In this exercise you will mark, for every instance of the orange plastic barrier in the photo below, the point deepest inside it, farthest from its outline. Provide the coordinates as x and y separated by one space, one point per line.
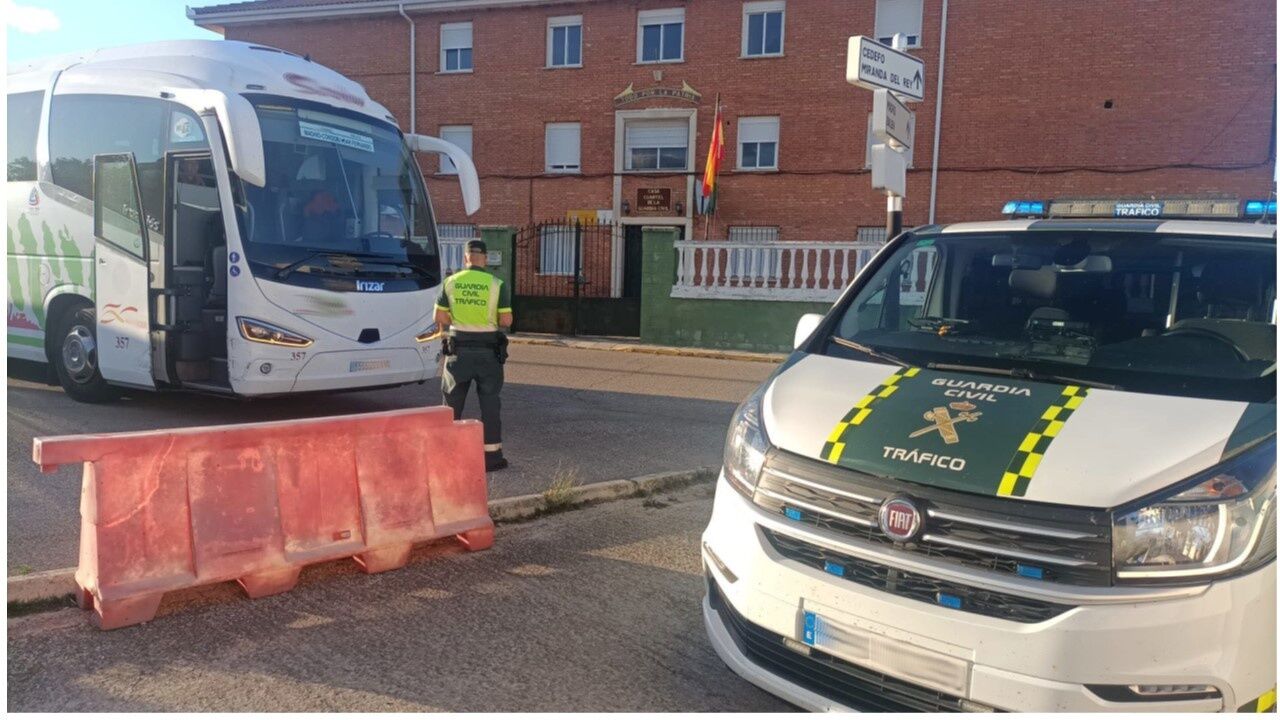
171 509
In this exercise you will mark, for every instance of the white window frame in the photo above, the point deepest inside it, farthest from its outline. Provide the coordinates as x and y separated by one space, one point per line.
444 49
446 165
560 240
758 121
659 17
885 32
762 7
626 149
565 21
562 167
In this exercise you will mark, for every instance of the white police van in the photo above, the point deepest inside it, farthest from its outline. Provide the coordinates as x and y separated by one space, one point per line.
1020 465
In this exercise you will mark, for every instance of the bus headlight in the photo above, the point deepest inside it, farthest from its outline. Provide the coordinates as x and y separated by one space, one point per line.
431 333
747 444
258 331
1219 522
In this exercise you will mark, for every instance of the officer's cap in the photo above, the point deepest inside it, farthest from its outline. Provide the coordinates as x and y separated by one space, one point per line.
476 246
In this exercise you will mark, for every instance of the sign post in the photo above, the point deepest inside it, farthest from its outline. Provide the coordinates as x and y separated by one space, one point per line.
896 78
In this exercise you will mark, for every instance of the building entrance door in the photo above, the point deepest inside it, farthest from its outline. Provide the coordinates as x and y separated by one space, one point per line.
577 279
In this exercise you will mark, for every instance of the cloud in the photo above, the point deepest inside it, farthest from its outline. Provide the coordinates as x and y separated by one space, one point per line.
30 19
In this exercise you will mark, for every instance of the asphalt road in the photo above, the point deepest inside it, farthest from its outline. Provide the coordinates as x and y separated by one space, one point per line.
587 414
596 609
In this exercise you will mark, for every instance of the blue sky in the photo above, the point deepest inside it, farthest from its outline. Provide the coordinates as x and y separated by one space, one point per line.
36 28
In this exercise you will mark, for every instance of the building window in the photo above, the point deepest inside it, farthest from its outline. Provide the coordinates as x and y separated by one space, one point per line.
459 135
899 16
556 247
660 36
874 234
564 147
657 145
758 143
24 126
750 263
453 241
455 47
564 41
762 28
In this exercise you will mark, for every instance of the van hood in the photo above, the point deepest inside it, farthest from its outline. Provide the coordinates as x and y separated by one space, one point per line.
1001 436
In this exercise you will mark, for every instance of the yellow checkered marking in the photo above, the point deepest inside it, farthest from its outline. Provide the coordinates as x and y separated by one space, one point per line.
1265 703
1026 459
861 410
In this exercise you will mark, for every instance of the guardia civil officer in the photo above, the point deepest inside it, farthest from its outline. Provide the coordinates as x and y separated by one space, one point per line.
475 309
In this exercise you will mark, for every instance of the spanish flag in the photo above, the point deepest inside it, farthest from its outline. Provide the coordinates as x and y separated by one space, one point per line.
714 155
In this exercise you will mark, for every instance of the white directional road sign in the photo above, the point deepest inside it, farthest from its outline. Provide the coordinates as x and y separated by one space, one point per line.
891 120
872 65
888 170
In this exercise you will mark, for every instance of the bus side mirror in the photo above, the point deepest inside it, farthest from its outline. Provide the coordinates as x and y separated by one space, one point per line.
467 176
808 323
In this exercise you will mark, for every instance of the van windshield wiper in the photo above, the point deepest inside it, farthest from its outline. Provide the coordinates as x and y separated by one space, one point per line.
1025 374
868 350
940 325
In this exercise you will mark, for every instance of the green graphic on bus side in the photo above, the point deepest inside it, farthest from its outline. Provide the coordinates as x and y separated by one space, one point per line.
58 252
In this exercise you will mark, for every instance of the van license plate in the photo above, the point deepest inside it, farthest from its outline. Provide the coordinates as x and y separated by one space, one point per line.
894 657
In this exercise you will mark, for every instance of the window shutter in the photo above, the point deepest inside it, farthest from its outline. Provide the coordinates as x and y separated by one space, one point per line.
456 35
564 146
657 133
758 130
898 16
459 135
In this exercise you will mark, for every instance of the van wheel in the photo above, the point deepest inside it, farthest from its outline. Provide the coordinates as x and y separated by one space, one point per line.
75 356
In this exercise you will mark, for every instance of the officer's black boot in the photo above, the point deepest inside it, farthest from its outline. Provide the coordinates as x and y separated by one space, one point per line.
493 460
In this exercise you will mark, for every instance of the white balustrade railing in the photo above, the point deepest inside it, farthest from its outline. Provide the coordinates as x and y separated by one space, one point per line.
772 270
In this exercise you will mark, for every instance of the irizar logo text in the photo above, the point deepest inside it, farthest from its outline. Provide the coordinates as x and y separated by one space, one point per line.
369 286
970 390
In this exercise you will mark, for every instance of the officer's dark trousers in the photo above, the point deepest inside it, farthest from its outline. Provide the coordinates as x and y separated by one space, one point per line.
481 365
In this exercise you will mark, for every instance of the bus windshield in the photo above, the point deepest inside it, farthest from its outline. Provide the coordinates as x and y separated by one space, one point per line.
1144 312
343 199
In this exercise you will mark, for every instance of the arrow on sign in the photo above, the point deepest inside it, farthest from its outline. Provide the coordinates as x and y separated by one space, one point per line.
918 80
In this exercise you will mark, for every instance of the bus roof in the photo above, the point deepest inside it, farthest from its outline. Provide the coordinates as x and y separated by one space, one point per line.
225 65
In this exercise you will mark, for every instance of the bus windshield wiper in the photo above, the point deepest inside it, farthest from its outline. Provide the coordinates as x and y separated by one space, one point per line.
1024 374
868 350
284 272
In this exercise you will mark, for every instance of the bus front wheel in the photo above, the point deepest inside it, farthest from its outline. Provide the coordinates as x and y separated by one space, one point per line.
75 356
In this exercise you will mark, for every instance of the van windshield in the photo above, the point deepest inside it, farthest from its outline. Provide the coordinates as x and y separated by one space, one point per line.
343 199
1146 312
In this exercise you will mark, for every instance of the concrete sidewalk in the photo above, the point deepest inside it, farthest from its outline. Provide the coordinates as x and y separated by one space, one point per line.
570 414
623 344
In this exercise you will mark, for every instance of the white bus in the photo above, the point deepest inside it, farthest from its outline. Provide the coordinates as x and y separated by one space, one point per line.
220 217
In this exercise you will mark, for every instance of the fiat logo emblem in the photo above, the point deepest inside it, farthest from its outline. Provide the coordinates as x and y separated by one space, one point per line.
900 519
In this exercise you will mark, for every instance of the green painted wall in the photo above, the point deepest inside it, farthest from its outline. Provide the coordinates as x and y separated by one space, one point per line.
501 238
757 325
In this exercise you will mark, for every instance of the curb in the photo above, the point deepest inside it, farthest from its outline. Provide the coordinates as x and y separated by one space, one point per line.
743 355
51 585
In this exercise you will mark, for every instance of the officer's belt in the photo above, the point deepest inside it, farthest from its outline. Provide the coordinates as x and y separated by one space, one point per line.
476 339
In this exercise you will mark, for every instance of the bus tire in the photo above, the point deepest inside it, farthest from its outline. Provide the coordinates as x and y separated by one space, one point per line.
74 356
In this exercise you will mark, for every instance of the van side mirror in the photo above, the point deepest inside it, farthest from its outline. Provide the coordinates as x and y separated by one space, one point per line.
805 327
467 176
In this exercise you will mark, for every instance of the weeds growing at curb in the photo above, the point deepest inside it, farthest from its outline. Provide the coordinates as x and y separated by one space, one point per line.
22 570
561 493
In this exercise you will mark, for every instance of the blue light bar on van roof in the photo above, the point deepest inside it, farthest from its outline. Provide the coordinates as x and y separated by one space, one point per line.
1224 208
1259 208
1032 208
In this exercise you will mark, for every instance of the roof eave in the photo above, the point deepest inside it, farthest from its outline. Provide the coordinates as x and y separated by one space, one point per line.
305 12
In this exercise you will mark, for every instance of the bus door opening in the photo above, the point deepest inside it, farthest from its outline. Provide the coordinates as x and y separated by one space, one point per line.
197 278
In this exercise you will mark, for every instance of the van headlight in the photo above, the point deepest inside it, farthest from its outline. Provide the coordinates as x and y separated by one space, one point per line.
747 444
262 332
1221 521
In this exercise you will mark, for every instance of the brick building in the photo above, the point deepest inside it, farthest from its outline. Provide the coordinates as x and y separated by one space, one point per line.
606 105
